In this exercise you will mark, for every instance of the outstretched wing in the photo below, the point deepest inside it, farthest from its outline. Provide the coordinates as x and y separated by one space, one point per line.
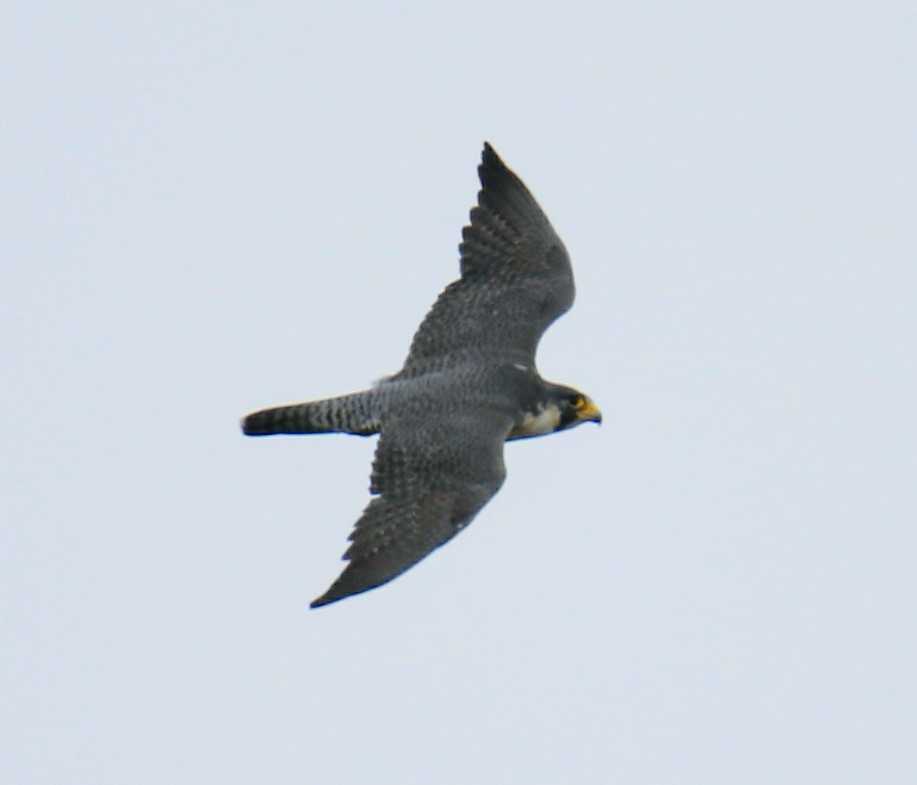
516 280
434 475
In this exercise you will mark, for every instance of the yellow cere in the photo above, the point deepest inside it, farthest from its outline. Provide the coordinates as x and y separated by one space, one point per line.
586 409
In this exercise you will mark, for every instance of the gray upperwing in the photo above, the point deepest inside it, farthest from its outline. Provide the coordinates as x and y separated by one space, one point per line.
433 476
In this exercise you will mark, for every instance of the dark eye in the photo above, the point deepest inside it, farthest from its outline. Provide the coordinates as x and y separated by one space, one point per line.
578 401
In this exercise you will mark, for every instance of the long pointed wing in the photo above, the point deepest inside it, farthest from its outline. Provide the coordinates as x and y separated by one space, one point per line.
516 280
434 475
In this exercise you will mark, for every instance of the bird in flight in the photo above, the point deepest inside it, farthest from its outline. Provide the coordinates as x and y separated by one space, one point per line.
469 384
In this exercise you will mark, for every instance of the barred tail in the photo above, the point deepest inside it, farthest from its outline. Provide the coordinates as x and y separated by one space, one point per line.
347 414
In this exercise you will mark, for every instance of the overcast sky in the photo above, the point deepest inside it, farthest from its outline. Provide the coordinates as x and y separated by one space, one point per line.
209 208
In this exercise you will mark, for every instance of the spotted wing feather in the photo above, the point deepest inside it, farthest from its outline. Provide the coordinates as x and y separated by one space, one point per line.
516 280
431 478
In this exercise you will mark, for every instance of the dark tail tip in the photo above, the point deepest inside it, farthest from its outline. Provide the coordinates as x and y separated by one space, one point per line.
258 424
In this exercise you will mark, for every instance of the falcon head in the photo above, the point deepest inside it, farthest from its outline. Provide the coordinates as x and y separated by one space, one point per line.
575 408
560 408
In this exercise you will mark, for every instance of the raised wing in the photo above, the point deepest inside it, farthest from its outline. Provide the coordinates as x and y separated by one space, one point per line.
434 475
516 280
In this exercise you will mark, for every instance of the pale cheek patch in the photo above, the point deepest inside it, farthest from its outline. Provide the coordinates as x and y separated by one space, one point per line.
545 421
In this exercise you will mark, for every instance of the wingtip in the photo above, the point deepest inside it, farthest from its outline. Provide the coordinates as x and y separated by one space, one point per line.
334 594
489 156
350 582
330 597
492 171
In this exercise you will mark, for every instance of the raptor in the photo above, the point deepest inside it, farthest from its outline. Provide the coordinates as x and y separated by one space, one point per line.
469 385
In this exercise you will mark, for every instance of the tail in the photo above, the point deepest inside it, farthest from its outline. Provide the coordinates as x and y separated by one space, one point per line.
356 414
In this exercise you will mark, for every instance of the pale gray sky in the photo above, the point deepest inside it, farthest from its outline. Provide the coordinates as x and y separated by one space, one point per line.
213 207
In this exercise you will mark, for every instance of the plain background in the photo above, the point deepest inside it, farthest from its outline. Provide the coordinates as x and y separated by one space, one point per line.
212 207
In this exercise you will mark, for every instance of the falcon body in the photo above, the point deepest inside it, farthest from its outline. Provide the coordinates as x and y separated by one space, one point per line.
469 384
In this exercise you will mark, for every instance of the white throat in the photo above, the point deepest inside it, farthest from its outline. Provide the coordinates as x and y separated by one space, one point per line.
544 421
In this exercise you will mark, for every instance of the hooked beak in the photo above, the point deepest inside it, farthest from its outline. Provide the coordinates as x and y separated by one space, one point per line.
589 412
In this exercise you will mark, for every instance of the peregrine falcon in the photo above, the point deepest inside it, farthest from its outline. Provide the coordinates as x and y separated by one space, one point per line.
469 384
